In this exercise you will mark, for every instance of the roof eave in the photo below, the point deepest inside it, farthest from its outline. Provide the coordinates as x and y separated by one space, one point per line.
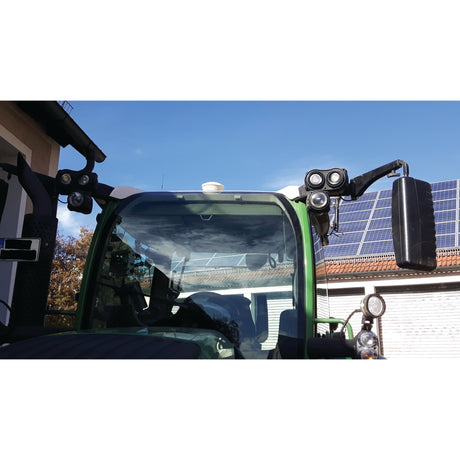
61 127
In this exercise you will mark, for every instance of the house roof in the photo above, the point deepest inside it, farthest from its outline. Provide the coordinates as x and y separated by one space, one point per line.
447 260
61 127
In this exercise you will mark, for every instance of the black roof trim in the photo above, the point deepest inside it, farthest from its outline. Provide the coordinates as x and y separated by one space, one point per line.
60 126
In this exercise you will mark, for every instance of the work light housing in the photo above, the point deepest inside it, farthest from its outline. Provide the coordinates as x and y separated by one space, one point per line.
373 306
334 181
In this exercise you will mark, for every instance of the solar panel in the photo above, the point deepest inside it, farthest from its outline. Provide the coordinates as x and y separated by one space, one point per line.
445 205
379 247
369 220
445 241
382 212
445 227
444 216
384 203
385 194
357 226
349 237
376 224
352 206
444 185
444 195
354 216
341 250
379 235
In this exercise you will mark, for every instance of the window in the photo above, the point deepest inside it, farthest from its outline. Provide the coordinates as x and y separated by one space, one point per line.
187 261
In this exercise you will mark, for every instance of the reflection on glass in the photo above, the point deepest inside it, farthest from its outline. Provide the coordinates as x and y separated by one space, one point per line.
227 266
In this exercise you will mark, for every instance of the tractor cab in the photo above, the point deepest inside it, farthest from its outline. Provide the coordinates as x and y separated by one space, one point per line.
225 269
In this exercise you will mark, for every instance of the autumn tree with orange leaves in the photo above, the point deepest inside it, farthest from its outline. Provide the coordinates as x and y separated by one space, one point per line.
67 269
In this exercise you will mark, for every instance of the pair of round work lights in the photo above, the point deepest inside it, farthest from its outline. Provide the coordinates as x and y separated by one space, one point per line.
322 184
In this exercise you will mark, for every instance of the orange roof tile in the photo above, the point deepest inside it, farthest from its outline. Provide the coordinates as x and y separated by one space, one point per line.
379 264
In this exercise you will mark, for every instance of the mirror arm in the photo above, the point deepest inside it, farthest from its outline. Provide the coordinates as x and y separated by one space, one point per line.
360 184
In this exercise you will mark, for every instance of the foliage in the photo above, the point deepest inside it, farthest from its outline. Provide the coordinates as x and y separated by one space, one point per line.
67 269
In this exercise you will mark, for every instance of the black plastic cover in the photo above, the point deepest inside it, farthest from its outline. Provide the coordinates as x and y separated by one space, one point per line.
414 234
330 348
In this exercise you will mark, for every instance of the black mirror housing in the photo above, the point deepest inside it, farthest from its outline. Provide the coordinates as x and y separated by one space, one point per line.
414 234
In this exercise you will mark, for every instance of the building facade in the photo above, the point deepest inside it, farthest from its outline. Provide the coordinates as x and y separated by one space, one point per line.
422 317
37 130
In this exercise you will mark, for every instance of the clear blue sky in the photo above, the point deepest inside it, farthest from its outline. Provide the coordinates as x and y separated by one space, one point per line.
261 145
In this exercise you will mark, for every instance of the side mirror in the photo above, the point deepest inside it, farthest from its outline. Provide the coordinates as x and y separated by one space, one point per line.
414 234
3 195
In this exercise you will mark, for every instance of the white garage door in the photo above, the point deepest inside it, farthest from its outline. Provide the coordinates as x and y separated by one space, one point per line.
422 324
341 306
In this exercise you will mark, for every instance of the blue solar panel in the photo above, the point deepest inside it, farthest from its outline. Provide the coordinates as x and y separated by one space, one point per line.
444 216
378 235
376 224
443 185
382 212
383 203
357 226
341 250
371 214
445 205
445 241
345 238
385 194
443 228
371 196
352 206
353 216
380 247
444 195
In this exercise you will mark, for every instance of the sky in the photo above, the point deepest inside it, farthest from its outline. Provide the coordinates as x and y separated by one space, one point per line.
259 145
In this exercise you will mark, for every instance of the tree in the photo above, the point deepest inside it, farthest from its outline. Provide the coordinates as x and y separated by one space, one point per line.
67 269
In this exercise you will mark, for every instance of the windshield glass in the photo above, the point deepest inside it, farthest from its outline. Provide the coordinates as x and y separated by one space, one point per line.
224 262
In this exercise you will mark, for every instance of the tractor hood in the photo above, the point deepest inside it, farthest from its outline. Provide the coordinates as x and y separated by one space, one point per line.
123 343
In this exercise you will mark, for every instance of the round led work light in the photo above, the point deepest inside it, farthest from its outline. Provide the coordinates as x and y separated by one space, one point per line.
319 201
76 199
368 339
373 306
84 179
335 179
80 202
65 179
314 179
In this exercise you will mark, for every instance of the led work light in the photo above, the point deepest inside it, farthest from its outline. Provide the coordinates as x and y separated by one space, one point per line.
334 181
373 306
318 201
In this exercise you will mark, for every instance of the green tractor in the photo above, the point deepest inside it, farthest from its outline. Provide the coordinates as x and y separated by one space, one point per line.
203 274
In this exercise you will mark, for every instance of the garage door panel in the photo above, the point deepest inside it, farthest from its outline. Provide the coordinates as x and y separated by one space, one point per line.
421 324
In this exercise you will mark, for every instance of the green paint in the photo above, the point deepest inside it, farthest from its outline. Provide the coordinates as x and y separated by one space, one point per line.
336 321
83 299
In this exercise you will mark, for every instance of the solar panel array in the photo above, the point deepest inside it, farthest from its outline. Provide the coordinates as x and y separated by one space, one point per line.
365 224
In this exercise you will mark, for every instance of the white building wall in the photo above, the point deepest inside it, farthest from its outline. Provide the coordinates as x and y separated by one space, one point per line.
13 214
418 322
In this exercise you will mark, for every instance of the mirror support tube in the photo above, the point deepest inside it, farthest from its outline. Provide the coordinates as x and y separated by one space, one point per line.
360 184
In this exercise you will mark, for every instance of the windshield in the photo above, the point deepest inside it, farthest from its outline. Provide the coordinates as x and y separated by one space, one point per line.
225 262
